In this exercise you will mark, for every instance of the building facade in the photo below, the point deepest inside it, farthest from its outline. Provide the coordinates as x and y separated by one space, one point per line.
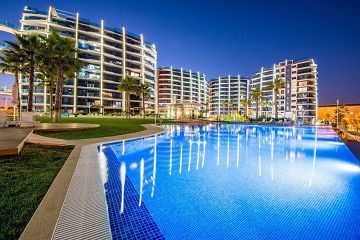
107 55
230 90
298 99
179 88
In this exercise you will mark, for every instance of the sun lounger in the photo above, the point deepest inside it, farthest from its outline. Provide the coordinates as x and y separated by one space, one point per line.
27 119
3 118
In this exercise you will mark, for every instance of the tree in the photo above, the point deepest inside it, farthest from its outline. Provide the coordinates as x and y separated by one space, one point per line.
127 86
28 46
144 91
245 103
276 86
256 96
340 113
356 123
11 62
47 74
60 52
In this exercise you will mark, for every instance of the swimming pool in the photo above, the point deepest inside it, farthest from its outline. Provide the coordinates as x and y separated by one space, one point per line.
232 182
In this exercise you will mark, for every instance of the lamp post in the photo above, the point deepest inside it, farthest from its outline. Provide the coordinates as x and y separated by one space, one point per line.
337 113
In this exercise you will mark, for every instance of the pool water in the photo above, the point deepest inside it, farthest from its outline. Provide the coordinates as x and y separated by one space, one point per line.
232 182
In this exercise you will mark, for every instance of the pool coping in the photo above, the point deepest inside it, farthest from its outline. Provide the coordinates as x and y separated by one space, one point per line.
44 219
84 214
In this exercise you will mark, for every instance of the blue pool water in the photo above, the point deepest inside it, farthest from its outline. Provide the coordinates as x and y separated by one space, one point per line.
232 182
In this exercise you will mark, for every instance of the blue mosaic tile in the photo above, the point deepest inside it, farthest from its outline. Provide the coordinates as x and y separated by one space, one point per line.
135 222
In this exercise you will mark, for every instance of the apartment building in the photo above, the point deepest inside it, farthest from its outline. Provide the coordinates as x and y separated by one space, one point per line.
107 54
230 90
298 99
181 92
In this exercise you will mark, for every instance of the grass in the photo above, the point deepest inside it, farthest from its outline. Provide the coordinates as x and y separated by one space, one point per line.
108 127
24 180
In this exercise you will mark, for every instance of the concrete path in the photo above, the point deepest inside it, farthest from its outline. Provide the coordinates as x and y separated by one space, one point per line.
42 223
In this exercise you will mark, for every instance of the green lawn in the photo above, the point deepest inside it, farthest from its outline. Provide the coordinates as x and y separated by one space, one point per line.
24 180
108 127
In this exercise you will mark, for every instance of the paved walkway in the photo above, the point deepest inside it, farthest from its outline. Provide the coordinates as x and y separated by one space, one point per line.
42 223
12 140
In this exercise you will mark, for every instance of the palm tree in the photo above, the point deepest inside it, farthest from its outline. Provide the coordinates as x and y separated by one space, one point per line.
276 86
144 91
28 46
230 105
47 74
60 53
224 103
11 62
245 103
256 96
127 86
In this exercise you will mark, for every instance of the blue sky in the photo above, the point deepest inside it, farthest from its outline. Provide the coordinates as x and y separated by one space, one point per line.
235 37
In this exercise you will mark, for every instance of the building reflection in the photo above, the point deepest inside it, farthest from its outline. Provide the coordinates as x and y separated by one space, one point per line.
259 148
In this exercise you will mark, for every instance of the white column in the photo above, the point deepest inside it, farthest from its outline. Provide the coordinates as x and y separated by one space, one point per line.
76 47
102 67
219 104
190 80
171 85
123 65
182 85
199 89
142 58
239 93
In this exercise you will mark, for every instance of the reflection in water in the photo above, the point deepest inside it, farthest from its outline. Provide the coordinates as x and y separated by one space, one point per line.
314 158
153 178
122 181
218 146
291 151
204 153
190 148
272 154
141 180
238 151
198 154
181 158
259 153
228 153
171 150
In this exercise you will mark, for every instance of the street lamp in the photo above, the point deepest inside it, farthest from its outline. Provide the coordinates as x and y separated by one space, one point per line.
337 113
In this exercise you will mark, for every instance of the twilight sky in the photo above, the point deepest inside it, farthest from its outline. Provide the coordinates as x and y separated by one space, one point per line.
234 37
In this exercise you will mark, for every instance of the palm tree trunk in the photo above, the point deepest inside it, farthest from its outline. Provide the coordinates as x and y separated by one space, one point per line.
31 88
18 95
128 105
257 109
143 105
58 96
51 100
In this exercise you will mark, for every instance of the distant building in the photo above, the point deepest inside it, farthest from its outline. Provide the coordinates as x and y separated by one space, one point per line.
181 93
229 89
6 99
298 100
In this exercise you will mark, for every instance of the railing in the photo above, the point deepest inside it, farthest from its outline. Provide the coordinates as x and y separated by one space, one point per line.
10 25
